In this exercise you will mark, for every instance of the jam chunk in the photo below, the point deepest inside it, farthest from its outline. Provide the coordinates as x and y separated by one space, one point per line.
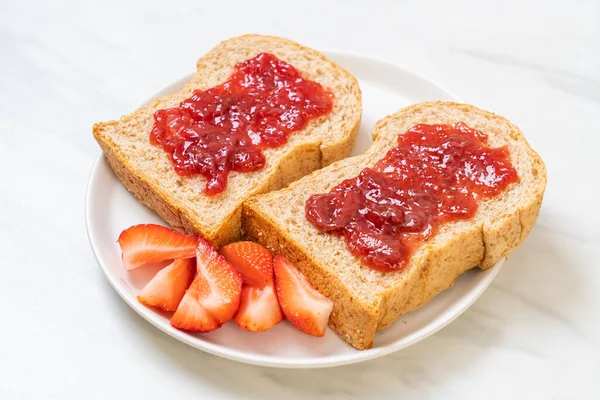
224 128
436 174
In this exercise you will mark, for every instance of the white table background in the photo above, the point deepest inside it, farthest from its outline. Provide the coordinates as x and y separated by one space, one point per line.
65 334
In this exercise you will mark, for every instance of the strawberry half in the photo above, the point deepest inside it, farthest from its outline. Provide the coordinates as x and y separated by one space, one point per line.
259 309
306 308
151 244
214 296
168 286
252 260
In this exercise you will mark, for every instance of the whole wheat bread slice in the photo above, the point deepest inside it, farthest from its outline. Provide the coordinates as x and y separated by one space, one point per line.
366 300
148 173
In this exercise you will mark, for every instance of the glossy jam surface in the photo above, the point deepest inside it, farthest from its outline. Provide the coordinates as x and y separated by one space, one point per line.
224 128
436 174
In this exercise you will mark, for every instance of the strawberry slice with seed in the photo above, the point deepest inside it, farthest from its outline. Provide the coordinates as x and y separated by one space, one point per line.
150 244
168 286
259 309
214 295
252 260
191 316
306 308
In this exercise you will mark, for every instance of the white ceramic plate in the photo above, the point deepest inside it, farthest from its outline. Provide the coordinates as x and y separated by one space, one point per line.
110 209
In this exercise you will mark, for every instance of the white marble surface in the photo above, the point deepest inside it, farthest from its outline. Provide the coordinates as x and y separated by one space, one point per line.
65 334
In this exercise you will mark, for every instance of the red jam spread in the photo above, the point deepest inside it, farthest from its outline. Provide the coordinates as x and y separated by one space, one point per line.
436 174
225 128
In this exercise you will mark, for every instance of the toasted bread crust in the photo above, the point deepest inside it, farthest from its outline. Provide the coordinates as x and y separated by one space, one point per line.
285 165
480 244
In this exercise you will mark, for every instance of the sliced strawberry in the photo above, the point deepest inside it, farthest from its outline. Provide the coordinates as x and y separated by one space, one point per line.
190 315
259 309
253 261
151 244
214 296
168 286
306 308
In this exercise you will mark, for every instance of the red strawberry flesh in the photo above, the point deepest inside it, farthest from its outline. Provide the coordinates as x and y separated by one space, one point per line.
214 296
252 261
259 309
150 244
167 288
306 308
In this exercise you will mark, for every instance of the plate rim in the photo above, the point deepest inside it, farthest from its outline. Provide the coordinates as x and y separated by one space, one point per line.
155 319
